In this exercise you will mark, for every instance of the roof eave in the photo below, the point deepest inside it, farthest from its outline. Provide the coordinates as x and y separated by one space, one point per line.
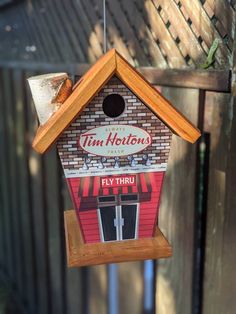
156 102
90 85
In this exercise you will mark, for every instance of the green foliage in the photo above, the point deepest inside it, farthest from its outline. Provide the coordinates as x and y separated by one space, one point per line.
211 55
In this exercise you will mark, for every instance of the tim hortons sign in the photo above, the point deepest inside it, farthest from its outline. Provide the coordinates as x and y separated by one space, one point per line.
114 140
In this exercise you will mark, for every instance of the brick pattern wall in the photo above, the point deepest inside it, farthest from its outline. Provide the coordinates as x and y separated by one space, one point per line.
136 114
148 212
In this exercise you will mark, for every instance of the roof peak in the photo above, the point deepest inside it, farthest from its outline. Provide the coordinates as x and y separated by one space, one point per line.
112 63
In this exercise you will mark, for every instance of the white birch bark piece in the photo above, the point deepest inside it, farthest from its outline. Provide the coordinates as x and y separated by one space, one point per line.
44 89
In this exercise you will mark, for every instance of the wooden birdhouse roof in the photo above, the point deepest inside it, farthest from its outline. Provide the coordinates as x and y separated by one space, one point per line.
112 63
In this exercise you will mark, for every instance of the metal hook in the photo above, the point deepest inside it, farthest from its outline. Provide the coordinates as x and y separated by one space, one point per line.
104 27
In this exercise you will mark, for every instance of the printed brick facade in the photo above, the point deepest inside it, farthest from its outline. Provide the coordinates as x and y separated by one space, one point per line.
136 114
84 172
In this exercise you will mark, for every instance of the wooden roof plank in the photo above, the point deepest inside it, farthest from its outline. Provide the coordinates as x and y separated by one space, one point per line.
160 106
90 84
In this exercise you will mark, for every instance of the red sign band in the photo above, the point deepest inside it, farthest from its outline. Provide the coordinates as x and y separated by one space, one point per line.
117 181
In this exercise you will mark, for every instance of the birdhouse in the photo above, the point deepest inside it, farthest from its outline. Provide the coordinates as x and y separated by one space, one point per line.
113 136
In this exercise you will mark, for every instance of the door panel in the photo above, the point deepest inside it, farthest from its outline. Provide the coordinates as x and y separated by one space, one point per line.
108 214
129 214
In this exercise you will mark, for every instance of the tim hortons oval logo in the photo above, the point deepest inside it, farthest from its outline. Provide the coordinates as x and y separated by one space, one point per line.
114 140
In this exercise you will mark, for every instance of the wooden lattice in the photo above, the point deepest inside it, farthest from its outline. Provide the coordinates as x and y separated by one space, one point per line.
162 33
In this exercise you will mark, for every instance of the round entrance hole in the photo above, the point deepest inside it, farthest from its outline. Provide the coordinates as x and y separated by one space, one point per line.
113 105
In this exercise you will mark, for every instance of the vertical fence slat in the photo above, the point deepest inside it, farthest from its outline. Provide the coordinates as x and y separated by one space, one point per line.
97 281
229 252
131 287
74 289
17 103
4 197
40 223
219 275
14 192
54 232
9 174
24 189
174 275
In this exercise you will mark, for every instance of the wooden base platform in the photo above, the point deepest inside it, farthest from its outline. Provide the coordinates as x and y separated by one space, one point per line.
81 254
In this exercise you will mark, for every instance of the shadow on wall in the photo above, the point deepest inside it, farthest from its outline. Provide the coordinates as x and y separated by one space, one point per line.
144 32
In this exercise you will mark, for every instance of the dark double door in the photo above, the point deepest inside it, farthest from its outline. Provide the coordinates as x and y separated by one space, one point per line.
119 219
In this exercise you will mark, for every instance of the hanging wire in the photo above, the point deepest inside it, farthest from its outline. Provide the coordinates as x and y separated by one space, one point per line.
104 27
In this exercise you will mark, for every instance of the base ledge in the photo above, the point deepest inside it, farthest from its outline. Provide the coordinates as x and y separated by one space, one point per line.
82 254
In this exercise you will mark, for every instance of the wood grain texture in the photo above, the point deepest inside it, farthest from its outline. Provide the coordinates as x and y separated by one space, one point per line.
202 26
184 33
220 276
225 15
163 35
133 44
128 21
80 254
210 80
176 218
143 33
112 31
155 101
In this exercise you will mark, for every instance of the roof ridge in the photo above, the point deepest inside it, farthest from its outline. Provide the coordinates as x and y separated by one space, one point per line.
112 63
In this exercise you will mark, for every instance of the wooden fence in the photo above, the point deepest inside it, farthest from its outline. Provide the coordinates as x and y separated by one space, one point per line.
197 209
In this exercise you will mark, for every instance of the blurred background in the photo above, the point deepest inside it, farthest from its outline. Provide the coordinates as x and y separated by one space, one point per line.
186 49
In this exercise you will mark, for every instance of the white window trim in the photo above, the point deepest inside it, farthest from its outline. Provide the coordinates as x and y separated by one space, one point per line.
118 212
